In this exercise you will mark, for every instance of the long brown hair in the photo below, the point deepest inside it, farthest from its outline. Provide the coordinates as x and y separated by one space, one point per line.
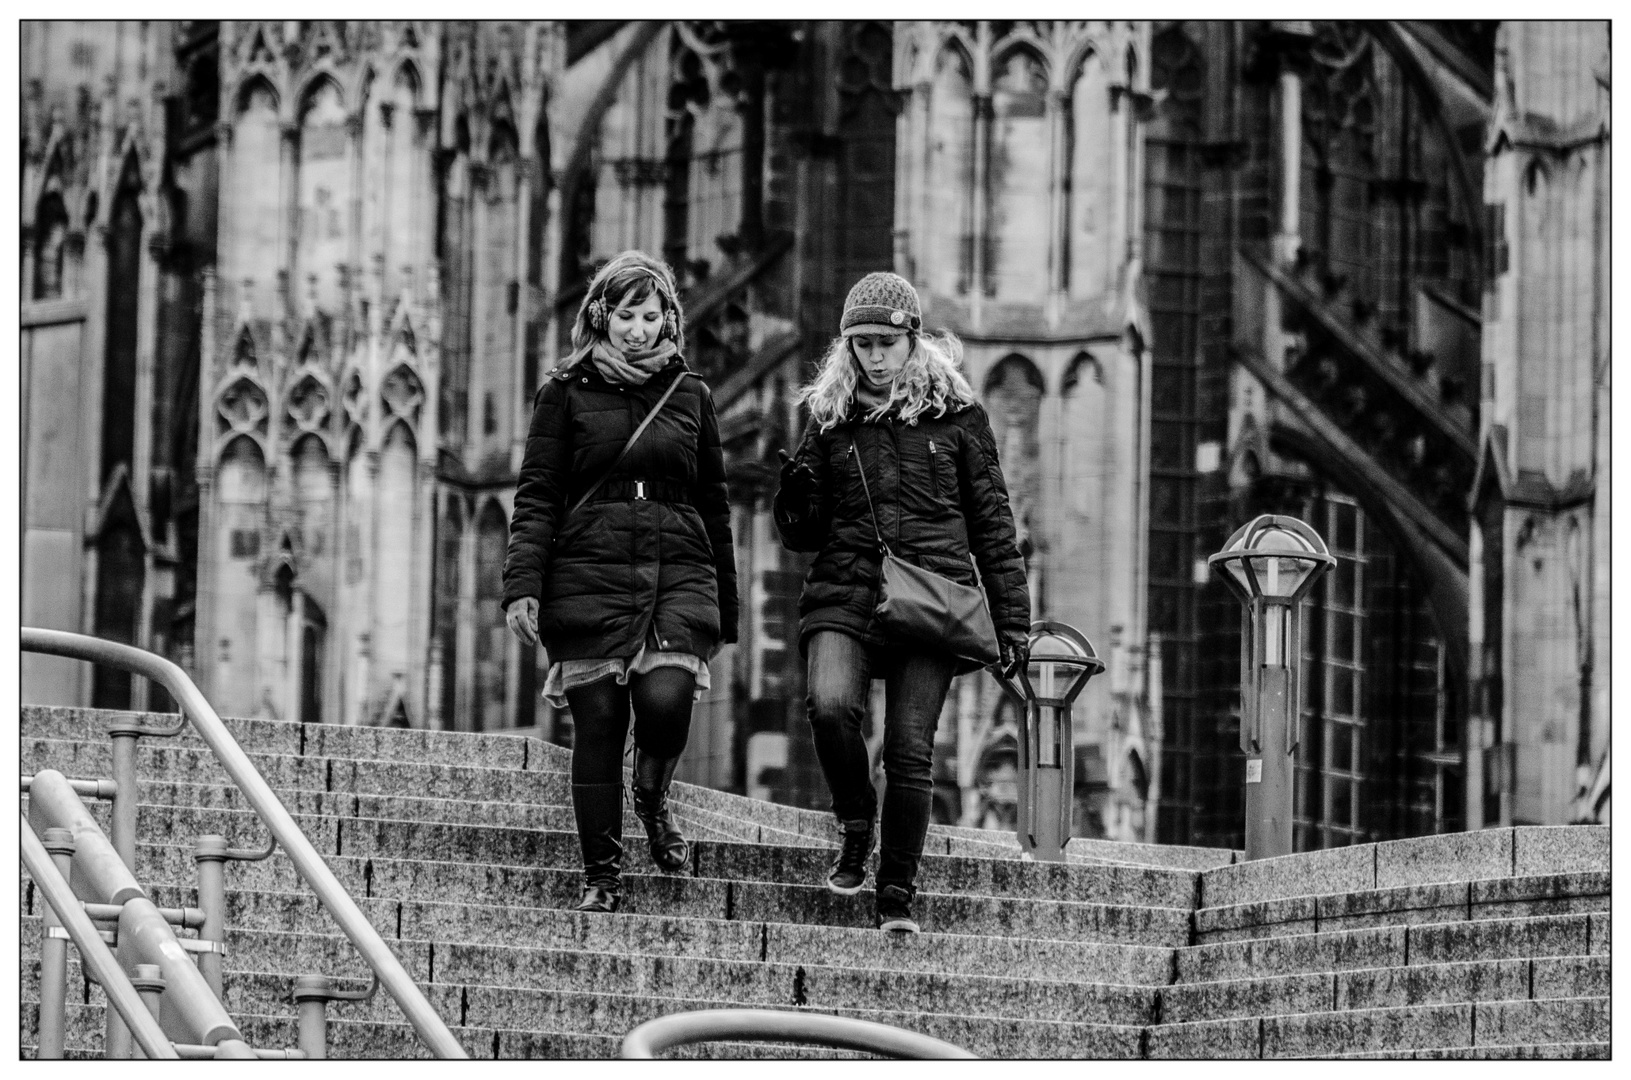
629 277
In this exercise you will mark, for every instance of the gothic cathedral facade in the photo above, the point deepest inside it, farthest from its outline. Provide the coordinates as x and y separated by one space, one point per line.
289 288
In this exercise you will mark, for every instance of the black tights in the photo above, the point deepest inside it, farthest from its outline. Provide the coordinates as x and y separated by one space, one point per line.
600 719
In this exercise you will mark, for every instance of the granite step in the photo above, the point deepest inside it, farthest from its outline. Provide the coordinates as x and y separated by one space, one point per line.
756 983
1522 851
180 810
616 1009
1575 1051
495 751
1518 979
1398 946
1387 1032
368 875
551 877
363 1040
1510 897
163 765
428 825
506 754
733 940
330 832
661 934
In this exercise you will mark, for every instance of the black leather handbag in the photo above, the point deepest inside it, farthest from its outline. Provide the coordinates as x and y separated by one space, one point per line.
922 606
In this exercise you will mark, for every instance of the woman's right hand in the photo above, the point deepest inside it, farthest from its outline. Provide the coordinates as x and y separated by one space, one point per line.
798 479
522 615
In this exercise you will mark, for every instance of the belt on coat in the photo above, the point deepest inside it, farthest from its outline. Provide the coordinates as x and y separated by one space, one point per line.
654 490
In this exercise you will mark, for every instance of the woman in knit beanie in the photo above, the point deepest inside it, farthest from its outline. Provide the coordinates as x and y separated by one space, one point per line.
889 399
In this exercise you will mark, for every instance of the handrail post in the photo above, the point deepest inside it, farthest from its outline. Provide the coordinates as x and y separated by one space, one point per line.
116 1042
148 980
125 734
210 854
54 957
311 995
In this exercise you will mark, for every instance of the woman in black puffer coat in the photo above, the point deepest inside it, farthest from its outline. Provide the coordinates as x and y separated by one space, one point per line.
890 400
633 592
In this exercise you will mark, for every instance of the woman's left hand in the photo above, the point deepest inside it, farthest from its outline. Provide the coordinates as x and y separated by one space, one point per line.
1012 654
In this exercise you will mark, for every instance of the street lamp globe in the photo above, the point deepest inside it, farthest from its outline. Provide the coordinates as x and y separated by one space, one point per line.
1274 558
1061 662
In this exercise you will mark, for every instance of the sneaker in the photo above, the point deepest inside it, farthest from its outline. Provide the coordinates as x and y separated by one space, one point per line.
848 871
894 910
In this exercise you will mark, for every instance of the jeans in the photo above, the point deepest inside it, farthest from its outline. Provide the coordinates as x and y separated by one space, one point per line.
915 684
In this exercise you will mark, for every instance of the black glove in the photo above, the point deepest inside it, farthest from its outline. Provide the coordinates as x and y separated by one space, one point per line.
798 480
1013 651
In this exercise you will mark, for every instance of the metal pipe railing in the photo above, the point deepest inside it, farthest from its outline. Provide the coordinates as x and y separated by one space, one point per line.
94 954
770 1025
105 790
310 865
192 1008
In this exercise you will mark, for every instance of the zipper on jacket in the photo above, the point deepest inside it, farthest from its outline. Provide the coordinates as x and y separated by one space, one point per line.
934 470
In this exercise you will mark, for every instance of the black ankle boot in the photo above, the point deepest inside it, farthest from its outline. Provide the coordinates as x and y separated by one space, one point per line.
892 909
652 775
848 871
599 811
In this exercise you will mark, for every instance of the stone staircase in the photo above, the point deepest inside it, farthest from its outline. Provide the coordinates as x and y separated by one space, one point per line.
460 849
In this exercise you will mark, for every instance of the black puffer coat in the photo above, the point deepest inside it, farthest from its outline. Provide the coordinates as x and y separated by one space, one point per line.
624 565
939 494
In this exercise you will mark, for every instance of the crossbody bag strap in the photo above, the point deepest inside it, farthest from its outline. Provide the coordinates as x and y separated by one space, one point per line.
650 416
861 468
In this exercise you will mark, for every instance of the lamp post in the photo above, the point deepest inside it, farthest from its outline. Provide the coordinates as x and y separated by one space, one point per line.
1061 662
1271 563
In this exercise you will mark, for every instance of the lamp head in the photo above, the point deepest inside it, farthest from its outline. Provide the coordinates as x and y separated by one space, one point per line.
1062 660
1273 557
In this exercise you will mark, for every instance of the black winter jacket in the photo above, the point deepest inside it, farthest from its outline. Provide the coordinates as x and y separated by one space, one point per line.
623 565
939 494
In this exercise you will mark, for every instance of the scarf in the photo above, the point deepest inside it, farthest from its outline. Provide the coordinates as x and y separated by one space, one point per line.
630 368
871 398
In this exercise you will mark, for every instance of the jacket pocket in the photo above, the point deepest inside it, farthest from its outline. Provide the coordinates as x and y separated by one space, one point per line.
942 469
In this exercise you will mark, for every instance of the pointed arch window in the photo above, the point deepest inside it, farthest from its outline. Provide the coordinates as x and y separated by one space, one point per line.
1013 395
445 606
1088 256
1017 236
124 289
324 191
949 265
492 640
50 246
254 204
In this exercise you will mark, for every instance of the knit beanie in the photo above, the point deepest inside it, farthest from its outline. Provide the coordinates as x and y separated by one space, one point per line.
881 299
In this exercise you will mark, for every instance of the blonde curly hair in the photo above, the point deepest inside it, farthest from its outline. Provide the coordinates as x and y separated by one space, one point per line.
931 381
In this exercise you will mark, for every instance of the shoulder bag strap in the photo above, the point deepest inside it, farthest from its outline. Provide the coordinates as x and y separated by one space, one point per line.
650 416
861 468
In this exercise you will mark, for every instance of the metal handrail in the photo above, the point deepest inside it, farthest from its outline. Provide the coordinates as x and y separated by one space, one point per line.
771 1025
310 865
94 953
